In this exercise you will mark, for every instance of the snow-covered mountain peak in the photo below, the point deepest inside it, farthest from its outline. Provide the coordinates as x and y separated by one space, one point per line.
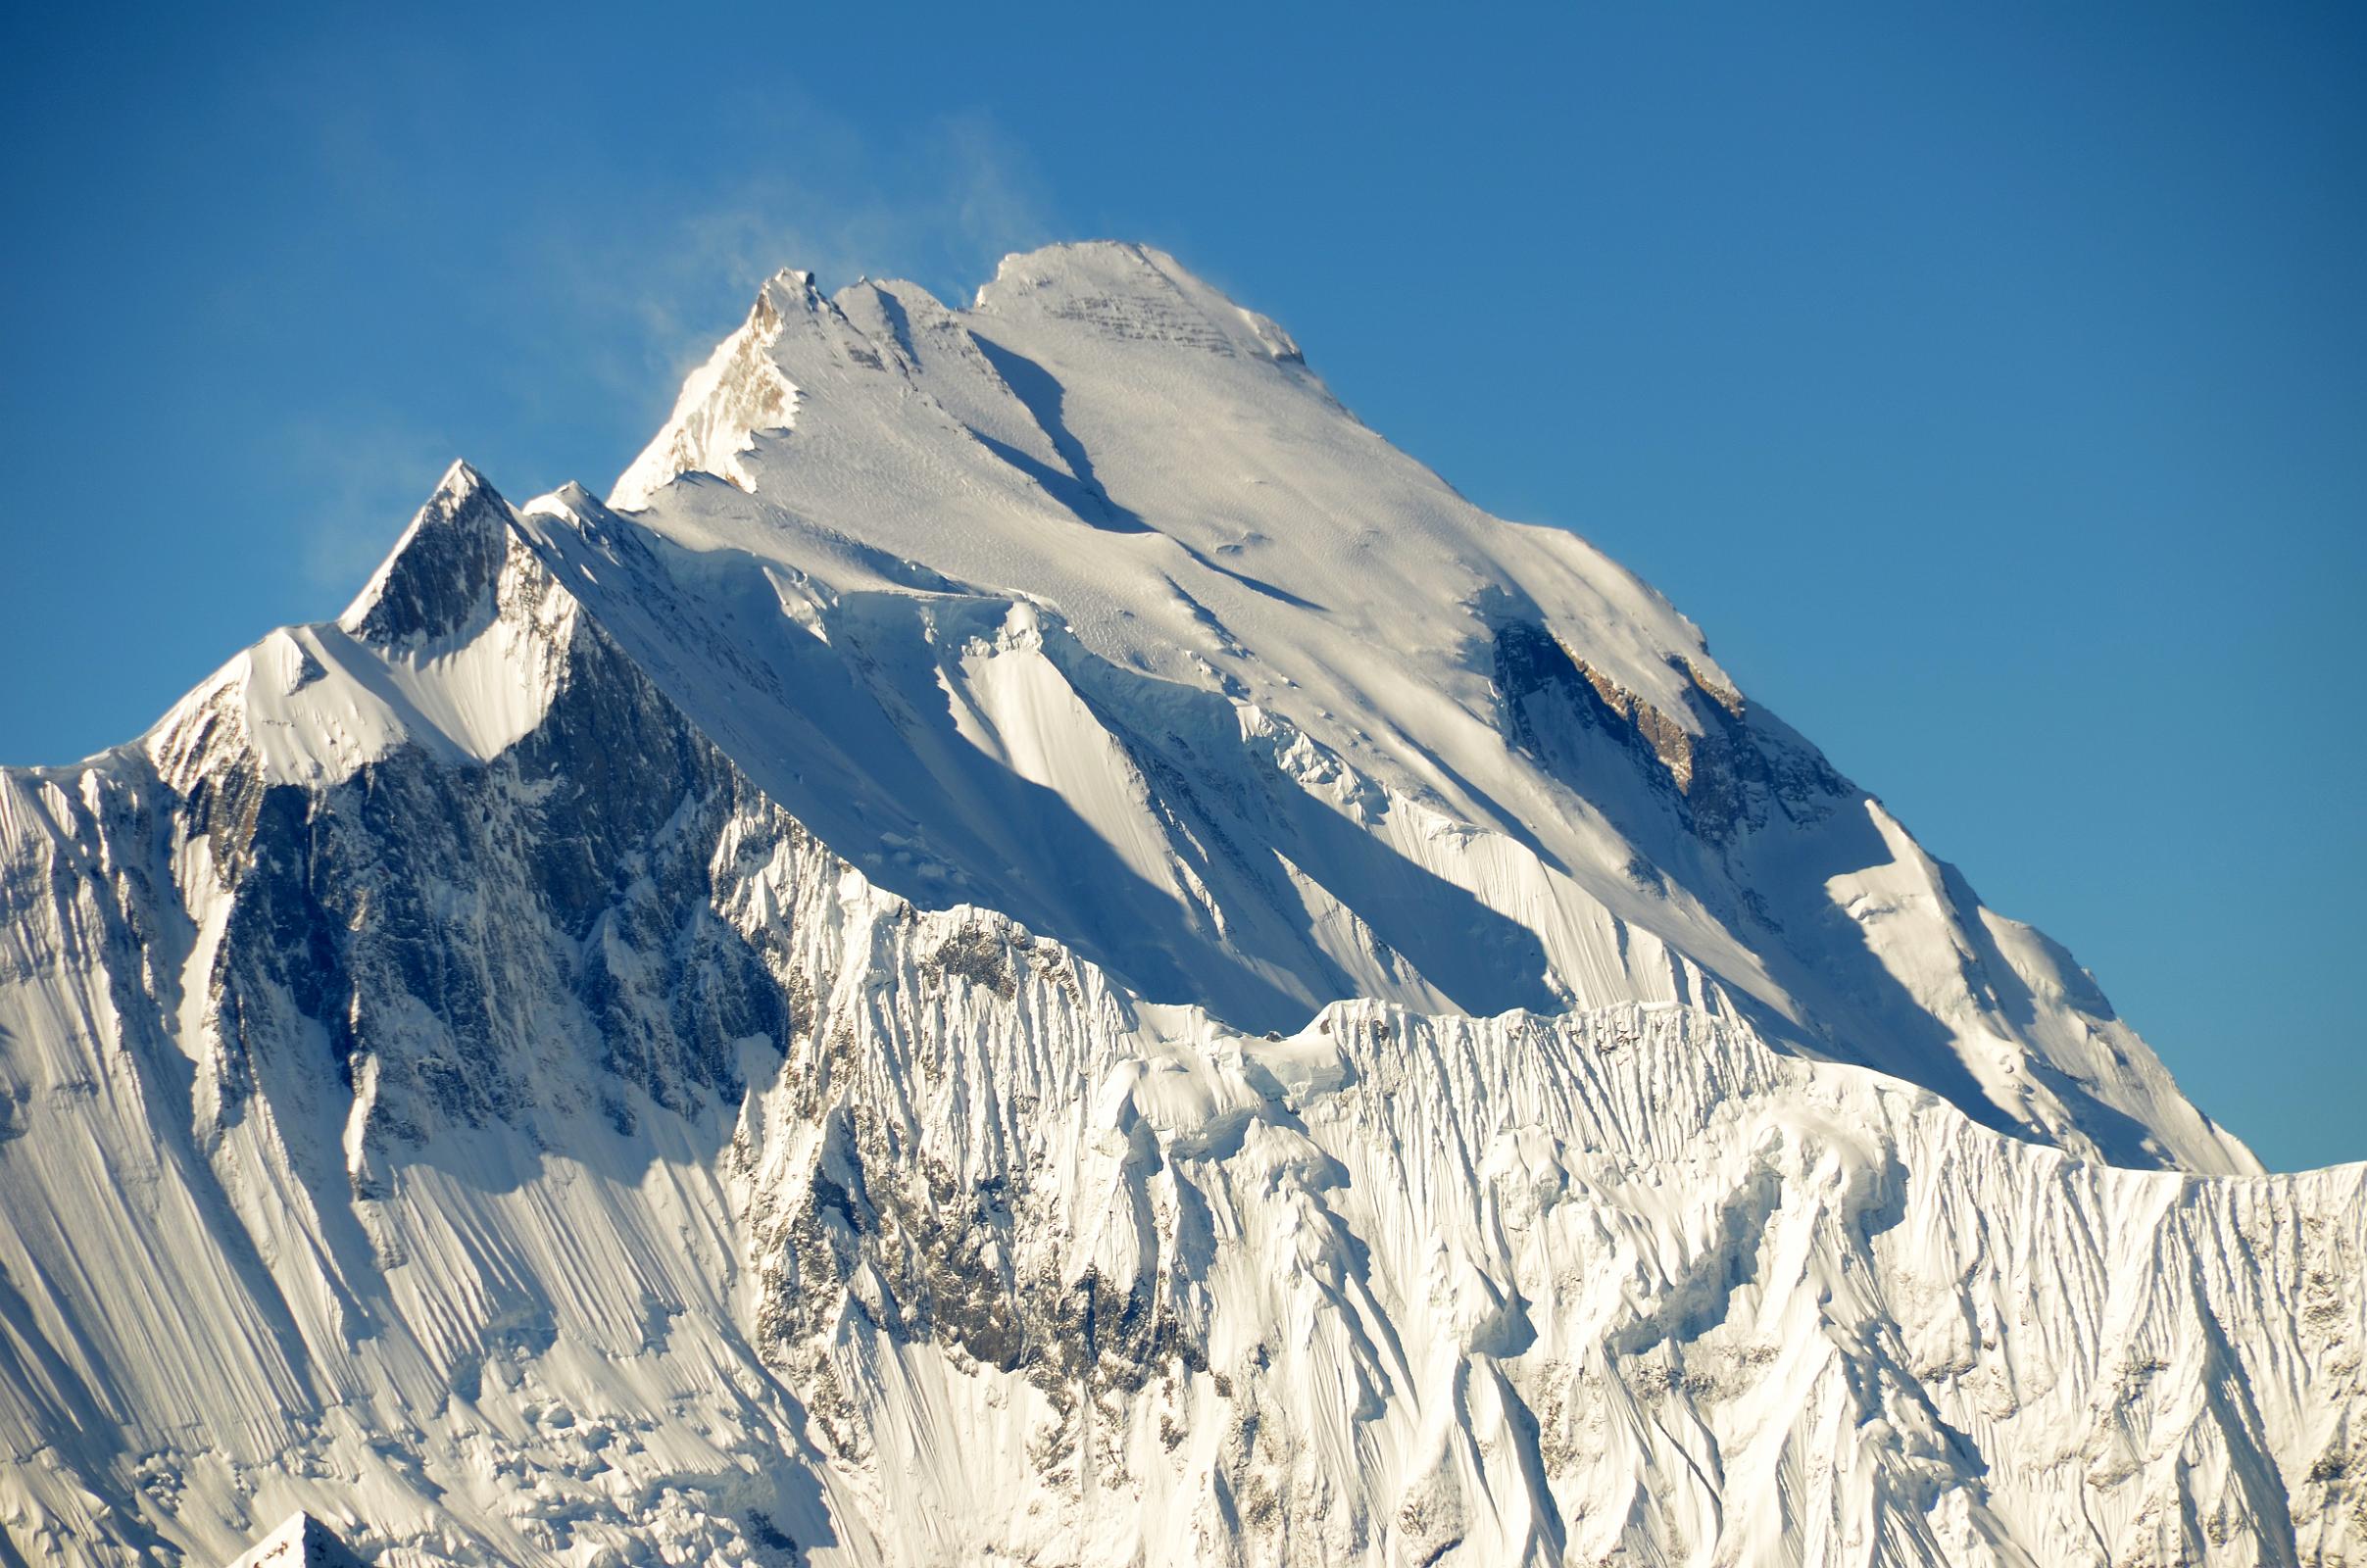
1233 577
1038 947
1103 431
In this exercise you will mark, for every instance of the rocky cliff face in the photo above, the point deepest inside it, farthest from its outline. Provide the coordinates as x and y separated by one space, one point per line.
995 989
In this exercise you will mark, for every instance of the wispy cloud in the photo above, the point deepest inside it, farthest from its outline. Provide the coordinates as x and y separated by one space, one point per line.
656 285
353 482
578 334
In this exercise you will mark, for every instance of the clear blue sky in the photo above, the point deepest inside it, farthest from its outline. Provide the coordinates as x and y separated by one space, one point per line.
1989 381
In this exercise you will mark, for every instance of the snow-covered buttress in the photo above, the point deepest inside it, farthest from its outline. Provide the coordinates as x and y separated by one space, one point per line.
1031 946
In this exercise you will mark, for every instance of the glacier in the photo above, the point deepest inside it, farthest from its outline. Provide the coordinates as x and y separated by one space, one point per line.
1030 946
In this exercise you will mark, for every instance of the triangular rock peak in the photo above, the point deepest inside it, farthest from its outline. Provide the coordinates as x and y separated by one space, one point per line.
441 568
301 1542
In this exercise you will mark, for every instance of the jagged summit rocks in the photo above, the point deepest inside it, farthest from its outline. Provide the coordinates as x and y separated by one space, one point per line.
1033 945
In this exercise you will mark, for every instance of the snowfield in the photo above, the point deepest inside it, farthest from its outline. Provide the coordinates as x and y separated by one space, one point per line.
1031 946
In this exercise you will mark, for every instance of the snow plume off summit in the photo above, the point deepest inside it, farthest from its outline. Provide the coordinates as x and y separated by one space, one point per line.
1030 946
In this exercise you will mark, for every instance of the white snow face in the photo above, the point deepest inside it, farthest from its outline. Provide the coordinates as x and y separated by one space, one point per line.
1044 950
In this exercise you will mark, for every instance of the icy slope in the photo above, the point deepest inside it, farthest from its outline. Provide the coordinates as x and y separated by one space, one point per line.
474 1072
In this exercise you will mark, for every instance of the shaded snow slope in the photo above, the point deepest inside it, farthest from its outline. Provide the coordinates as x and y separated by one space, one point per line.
872 1010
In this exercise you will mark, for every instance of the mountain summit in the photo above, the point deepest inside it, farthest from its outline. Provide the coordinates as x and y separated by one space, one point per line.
1216 687
1033 945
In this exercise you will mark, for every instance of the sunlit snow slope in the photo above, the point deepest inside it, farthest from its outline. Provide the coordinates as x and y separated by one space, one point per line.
1031 944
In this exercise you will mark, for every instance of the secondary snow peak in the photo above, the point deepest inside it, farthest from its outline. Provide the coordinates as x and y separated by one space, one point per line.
441 567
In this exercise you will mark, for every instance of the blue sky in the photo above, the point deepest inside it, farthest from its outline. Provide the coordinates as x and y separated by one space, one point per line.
1989 382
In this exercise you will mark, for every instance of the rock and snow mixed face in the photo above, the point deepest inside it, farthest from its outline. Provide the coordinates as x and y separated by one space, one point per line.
1034 945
